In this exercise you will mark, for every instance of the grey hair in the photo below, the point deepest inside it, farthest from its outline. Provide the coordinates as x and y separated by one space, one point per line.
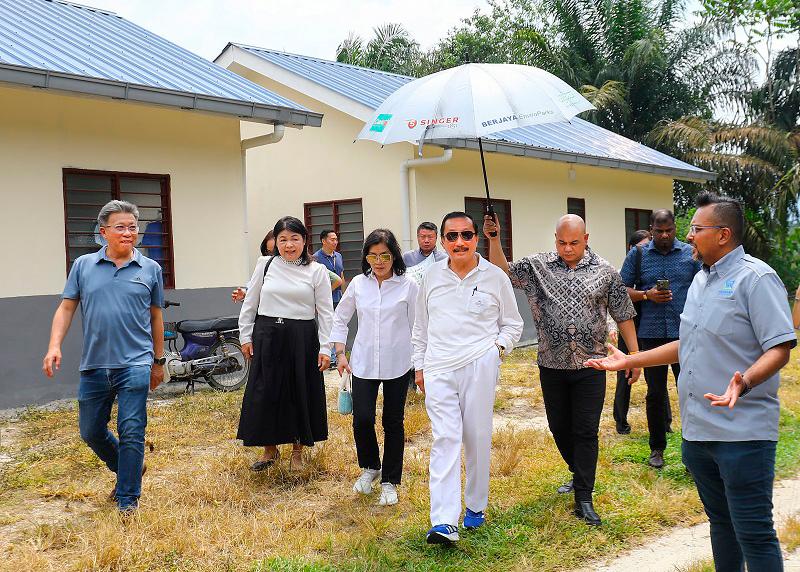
116 206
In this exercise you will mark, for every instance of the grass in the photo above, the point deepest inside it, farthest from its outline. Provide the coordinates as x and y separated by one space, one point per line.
203 510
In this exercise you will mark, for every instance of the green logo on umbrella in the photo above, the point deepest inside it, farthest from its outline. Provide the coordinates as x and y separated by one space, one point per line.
380 122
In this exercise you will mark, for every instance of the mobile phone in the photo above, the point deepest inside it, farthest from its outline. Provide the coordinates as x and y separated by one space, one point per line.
662 284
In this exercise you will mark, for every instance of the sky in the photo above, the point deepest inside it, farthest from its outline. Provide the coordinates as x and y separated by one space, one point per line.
307 27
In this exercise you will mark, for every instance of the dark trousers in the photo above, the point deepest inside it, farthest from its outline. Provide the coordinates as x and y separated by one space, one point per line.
365 396
622 394
734 480
659 411
573 401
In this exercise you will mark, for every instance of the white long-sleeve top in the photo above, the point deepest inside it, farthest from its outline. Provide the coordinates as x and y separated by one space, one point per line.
296 292
382 348
457 321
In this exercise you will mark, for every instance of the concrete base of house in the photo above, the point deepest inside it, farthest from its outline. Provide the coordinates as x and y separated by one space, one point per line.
26 330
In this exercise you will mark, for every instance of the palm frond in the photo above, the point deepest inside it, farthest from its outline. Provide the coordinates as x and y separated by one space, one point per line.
350 51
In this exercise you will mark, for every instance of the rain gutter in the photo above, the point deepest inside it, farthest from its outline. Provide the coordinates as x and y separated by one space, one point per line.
405 193
247 110
251 143
522 150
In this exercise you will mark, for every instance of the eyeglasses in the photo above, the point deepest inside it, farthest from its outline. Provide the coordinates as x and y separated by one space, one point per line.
121 228
373 258
465 234
696 227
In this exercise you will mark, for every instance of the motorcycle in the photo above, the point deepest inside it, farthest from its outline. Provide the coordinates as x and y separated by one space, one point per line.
211 352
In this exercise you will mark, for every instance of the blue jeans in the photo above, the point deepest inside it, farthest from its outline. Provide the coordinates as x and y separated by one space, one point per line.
734 480
125 457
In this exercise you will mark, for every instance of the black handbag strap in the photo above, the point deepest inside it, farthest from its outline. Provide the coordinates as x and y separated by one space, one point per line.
637 267
266 267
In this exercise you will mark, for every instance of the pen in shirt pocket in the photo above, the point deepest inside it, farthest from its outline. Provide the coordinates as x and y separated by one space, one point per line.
473 291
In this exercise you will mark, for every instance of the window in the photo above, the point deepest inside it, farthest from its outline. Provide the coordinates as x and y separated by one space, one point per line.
476 208
635 219
577 206
85 192
346 219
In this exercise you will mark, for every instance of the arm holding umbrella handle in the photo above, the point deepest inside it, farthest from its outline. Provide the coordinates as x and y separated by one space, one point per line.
493 215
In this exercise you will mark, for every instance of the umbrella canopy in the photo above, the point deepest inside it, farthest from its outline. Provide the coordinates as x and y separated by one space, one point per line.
471 101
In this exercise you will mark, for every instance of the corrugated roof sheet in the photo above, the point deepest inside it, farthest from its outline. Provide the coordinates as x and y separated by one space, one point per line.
62 37
579 138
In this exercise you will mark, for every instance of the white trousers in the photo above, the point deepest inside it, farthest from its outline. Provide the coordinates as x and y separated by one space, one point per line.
460 404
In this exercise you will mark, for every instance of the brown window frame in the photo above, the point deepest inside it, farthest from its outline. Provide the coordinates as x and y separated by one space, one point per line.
504 224
335 227
581 212
168 266
637 212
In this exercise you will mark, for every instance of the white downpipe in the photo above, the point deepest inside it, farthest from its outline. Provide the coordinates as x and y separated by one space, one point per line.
269 139
408 232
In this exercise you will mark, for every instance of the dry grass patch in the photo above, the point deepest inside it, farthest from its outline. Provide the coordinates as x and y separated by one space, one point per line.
790 534
203 510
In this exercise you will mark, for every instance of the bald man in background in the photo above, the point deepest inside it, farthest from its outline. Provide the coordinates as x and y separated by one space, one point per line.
570 292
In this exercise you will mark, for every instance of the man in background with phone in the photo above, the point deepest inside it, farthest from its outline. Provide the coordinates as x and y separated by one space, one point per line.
666 271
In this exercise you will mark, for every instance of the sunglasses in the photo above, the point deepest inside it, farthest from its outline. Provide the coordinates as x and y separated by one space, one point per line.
465 234
374 258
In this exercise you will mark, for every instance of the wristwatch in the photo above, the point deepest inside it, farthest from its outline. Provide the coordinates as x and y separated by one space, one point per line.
500 349
159 361
644 294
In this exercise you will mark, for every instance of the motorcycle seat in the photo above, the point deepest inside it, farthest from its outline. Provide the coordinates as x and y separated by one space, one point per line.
208 325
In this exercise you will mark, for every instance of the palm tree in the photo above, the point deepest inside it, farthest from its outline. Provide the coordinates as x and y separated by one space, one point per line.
390 49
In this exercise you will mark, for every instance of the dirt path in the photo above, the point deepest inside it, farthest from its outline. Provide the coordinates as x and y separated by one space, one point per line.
676 550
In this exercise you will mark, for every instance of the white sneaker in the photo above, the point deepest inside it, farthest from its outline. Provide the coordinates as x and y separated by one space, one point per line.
388 494
364 483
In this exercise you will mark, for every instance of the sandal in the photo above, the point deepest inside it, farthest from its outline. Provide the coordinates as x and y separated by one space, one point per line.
264 464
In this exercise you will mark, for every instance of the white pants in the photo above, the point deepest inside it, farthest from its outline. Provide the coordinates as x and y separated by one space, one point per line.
460 404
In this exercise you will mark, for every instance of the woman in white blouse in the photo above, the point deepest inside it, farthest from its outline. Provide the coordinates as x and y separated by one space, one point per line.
284 401
384 299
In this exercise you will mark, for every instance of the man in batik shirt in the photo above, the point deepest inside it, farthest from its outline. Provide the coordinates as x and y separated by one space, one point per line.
570 293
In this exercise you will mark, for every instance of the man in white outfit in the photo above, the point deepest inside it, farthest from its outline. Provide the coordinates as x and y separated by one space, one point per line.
466 318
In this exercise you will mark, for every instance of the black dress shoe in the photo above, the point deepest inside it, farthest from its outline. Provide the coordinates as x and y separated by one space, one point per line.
656 459
565 488
584 510
624 429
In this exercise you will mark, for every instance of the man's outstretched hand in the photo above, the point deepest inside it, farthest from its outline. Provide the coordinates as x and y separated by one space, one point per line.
735 388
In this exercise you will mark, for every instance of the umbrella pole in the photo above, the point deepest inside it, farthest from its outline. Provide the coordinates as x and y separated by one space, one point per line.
489 207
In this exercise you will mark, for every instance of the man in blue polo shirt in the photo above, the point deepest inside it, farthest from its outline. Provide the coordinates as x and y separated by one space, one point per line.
332 260
666 271
121 294
736 334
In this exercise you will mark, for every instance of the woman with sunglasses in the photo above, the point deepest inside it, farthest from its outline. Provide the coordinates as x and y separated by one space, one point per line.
384 300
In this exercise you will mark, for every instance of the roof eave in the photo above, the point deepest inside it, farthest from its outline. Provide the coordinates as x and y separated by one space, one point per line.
248 111
521 150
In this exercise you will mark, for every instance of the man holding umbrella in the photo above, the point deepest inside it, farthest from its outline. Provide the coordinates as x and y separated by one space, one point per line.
570 292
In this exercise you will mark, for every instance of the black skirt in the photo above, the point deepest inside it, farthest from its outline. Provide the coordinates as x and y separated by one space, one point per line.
284 401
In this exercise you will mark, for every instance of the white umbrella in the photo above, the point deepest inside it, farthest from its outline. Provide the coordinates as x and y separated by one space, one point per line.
471 101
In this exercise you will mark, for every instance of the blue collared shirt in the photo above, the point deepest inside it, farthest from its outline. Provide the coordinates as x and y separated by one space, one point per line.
335 264
115 307
414 257
677 266
735 311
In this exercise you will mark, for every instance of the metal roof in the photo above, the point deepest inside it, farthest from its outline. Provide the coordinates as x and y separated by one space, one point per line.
576 142
58 45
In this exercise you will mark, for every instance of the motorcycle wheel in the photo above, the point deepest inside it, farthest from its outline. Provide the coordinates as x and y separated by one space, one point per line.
235 379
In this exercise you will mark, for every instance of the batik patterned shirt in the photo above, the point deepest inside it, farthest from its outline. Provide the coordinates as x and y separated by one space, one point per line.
570 306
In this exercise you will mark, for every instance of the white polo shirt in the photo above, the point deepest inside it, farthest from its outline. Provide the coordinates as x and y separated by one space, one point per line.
382 348
458 321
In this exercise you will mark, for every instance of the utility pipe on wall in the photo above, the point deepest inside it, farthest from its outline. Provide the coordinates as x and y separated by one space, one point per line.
269 139
408 232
